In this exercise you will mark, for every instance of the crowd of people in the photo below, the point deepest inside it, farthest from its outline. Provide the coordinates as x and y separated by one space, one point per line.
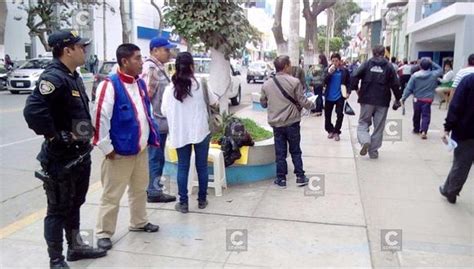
139 109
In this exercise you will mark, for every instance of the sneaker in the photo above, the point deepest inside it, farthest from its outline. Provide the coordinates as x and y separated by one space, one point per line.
149 228
337 137
280 183
302 181
202 204
364 149
182 207
424 136
161 198
374 155
331 135
84 252
104 243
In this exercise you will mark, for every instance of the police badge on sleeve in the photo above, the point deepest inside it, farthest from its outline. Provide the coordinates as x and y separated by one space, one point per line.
46 87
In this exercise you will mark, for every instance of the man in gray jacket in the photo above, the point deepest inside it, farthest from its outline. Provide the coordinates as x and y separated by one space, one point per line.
284 97
422 85
156 81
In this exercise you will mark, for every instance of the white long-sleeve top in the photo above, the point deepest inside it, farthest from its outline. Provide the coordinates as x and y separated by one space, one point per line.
103 111
187 121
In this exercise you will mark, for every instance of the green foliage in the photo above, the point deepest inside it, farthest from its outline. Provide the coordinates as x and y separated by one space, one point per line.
344 11
335 43
256 132
218 24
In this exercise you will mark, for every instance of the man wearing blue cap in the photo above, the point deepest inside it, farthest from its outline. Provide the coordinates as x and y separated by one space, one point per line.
156 80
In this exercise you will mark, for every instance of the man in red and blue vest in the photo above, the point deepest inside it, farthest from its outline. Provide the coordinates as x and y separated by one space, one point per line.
124 129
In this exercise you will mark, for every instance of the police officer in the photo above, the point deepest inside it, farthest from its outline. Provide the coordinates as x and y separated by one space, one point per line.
58 109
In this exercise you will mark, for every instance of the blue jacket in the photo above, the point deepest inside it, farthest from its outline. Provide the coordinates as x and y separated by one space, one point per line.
423 83
125 128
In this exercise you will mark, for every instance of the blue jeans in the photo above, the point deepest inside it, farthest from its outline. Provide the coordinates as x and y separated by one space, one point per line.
156 162
421 116
288 137
201 151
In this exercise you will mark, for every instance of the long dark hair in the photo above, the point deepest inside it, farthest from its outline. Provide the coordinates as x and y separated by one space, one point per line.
323 60
183 75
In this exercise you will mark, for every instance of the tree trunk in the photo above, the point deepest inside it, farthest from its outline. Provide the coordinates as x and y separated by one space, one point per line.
219 78
330 16
309 45
160 14
294 40
282 44
124 19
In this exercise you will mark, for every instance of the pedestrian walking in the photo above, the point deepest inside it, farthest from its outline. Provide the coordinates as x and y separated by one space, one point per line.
156 80
317 82
336 77
284 97
379 81
58 109
459 124
422 85
124 129
185 107
404 73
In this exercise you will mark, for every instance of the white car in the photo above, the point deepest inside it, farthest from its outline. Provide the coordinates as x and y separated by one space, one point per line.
25 77
201 69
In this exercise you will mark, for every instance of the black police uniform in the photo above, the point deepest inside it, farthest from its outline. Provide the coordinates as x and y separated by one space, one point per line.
57 107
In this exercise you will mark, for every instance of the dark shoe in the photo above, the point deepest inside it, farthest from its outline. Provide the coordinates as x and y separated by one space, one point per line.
104 243
337 137
84 252
202 204
364 149
415 132
182 207
149 228
280 183
450 198
374 155
331 135
161 198
58 263
302 181
424 136
318 114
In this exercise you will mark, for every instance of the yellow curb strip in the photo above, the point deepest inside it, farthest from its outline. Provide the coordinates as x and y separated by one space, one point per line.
35 216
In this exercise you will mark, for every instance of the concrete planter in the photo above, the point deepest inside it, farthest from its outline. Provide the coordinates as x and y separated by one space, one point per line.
260 166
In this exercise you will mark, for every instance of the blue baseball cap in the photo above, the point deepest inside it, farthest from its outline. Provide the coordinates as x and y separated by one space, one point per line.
159 42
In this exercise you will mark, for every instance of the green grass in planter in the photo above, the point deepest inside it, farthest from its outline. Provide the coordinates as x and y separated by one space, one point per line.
256 132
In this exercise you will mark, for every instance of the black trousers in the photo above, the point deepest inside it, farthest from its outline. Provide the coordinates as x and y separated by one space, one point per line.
462 163
288 138
328 108
66 192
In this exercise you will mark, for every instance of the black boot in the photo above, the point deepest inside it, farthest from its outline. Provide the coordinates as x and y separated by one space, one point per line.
56 258
78 250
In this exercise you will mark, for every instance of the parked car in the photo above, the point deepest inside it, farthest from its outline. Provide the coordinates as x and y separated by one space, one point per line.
3 78
259 71
201 69
25 77
106 68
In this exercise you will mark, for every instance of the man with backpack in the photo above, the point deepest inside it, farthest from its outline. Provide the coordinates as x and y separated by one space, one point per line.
378 78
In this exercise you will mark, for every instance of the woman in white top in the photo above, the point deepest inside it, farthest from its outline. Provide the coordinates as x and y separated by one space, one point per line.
185 108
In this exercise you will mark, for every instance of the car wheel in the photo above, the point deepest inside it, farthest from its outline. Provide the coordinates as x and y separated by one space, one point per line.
15 92
236 100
